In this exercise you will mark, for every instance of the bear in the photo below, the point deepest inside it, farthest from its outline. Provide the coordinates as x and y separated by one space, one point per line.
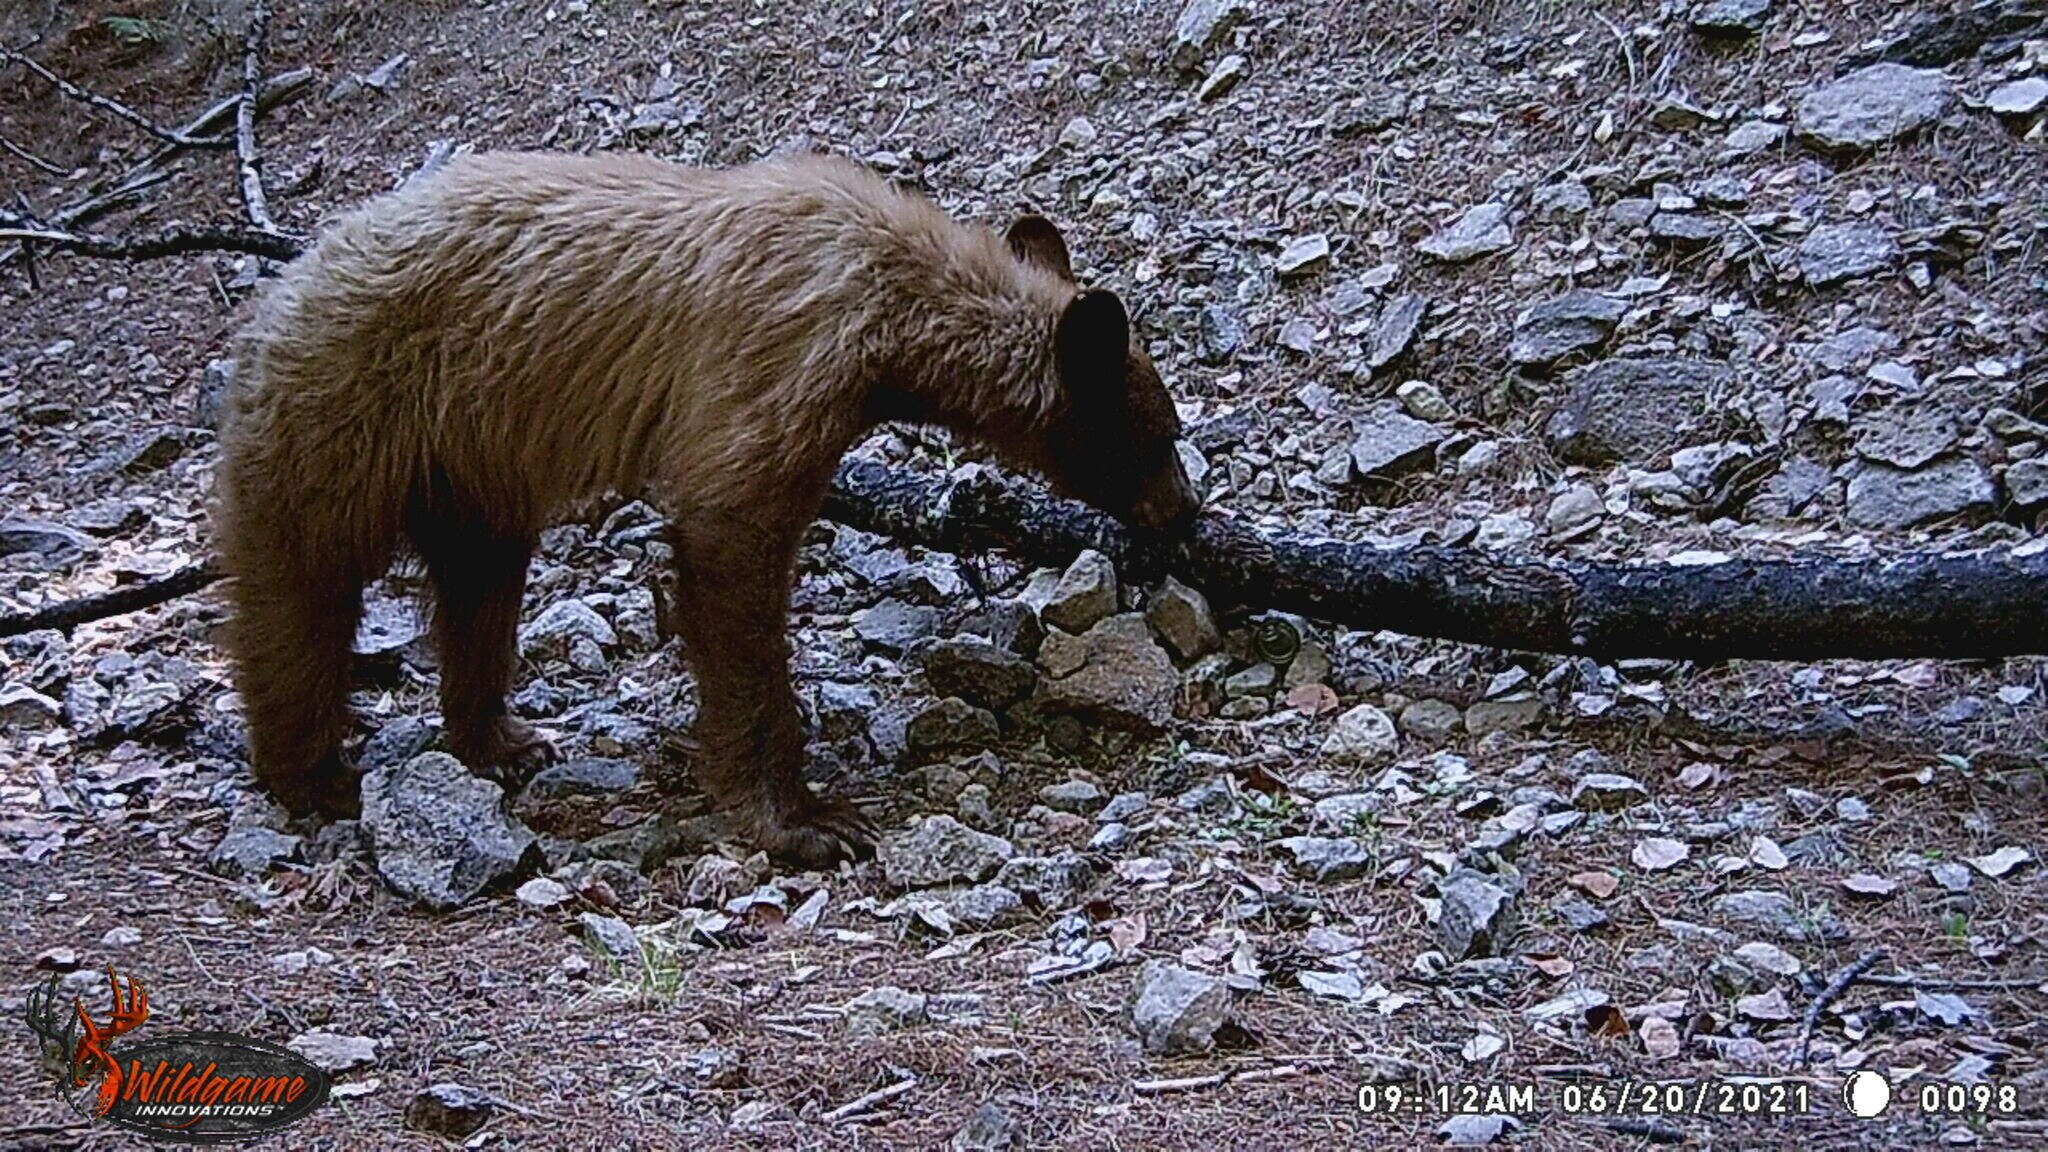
458 364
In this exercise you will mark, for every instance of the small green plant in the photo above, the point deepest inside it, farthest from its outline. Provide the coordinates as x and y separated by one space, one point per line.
1956 926
1260 814
657 975
137 29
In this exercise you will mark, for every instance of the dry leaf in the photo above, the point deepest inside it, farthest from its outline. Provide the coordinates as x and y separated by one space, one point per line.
1598 885
1127 933
1312 699
1656 853
1870 884
1696 775
1606 1021
1482 1046
1765 853
1659 1036
1996 864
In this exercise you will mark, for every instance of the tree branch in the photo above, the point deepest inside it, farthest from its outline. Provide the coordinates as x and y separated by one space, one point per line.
1964 606
176 240
69 614
108 105
248 160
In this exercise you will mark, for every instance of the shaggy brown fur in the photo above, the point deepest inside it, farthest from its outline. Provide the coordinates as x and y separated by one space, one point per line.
458 363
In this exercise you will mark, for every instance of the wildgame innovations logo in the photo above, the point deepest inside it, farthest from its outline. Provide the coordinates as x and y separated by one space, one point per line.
188 1087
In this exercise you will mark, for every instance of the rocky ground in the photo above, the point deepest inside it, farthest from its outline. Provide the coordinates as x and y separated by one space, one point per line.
1654 283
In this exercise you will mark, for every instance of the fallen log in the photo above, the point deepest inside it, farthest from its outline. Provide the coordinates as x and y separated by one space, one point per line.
1959 606
1953 606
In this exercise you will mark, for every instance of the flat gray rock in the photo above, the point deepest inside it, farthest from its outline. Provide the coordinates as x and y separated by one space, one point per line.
1175 1010
1906 436
977 671
1870 106
1388 442
1578 321
2026 481
1476 914
1637 409
1881 496
1482 230
1399 321
941 850
1833 253
1731 18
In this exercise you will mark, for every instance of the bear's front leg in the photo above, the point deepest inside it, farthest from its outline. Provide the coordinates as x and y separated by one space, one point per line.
732 610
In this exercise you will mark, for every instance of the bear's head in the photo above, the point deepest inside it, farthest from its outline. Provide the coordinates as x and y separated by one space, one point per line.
1112 436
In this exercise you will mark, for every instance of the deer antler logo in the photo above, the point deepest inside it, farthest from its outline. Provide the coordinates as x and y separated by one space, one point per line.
77 1043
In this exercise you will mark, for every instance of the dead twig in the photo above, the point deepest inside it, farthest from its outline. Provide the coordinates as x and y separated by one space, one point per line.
1215 1080
869 1101
1836 985
105 104
1988 984
177 240
247 158
71 613
31 158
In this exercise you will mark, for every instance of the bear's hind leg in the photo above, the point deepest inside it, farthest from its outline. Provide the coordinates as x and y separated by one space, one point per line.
732 611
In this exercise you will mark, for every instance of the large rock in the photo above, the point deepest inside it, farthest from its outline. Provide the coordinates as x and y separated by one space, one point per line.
1202 24
1085 594
1389 442
583 776
1637 409
1175 1010
1476 914
895 625
1114 671
1907 435
252 849
942 850
564 626
2019 99
1481 230
1881 496
1870 106
977 671
1833 253
2026 482
1362 737
1182 618
1326 857
950 725
23 709
19 534
449 1110
440 834
1578 321
886 1009
1398 323
1731 18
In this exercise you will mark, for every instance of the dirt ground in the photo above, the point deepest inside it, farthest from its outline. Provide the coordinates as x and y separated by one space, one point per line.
1815 812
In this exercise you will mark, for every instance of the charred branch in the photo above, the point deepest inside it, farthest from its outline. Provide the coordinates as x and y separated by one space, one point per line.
1961 606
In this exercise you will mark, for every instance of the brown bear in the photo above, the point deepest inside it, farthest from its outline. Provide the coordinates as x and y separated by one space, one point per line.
461 362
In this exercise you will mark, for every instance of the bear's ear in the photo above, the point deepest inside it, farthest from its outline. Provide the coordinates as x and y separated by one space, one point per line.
1034 240
1094 341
